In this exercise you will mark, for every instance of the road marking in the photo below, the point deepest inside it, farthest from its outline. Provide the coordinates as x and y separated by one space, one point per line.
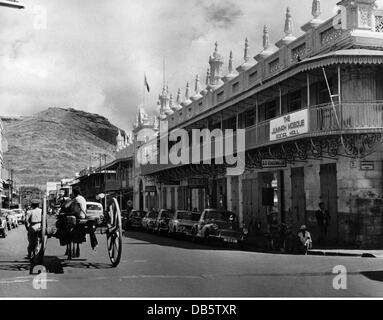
134 261
161 276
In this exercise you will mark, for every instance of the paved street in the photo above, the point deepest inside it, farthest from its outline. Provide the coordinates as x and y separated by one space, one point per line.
154 266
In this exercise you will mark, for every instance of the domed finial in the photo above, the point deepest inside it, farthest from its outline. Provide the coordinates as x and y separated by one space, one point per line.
207 76
288 23
266 38
187 92
216 47
171 101
179 99
196 87
316 9
231 62
246 54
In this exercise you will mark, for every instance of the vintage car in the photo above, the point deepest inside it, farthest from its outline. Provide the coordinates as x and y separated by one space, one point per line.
149 221
20 215
162 222
183 222
11 219
95 211
221 225
3 224
133 220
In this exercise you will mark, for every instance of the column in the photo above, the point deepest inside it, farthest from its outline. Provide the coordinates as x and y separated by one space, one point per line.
240 199
229 194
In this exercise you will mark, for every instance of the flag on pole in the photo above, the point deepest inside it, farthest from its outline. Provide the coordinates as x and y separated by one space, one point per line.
146 83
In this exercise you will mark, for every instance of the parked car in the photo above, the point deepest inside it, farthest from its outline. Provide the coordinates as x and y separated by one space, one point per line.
221 225
95 211
134 219
149 221
162 222
182 223
10 218
20 215
3 224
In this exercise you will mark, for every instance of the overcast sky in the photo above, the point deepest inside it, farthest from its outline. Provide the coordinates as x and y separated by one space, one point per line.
93 53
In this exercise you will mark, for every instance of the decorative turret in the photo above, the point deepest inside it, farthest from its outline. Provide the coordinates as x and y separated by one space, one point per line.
178 105
288 31
232 74
142 119
197 95
359 13
205 91
187 96
266 46
316 21
216 63
163 103
120 141
172 105
247 64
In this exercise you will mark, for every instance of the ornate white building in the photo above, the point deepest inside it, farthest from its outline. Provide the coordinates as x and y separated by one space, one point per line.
329 80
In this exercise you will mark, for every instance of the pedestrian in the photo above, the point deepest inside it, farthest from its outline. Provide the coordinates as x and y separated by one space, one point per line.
81 201
323 220
33 226
273 223
304 240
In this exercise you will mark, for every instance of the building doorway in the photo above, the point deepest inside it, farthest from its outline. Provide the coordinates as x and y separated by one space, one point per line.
329 196
298 197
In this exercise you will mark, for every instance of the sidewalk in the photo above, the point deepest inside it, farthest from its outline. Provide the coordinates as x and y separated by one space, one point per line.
347 253
259 243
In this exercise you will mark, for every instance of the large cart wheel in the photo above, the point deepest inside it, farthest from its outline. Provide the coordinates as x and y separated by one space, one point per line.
114 233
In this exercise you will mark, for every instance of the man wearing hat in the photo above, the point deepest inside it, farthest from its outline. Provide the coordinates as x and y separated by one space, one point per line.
304 239
33 225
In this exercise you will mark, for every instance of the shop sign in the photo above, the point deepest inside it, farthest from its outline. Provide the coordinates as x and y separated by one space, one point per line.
171 183
367 165
150 189
273 163
291 125
197 183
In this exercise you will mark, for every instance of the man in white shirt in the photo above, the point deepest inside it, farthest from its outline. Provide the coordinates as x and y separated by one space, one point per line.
305 241
78 198
33 226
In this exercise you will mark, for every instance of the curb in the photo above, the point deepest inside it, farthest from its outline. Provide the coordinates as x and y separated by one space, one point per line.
341 254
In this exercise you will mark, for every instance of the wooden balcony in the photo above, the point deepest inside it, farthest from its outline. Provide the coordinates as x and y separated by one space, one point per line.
322 120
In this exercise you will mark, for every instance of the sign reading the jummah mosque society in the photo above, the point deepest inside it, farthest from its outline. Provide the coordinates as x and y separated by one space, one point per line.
290 125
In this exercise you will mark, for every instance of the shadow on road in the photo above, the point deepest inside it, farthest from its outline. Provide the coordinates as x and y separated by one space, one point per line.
22 265
56 265
373 275
150 239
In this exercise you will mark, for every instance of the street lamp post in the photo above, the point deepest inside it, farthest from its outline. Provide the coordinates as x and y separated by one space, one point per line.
11 4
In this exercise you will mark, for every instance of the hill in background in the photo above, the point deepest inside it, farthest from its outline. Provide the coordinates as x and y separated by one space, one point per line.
55 144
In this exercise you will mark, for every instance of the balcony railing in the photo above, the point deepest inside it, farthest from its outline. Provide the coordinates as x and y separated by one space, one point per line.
326 119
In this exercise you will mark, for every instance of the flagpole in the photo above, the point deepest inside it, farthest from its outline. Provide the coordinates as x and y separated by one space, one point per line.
143 93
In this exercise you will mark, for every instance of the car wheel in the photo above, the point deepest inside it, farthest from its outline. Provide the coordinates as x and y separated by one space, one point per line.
194 236
206 237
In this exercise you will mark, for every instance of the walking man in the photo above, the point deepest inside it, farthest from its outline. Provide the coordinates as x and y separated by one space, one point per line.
323 220
33 226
